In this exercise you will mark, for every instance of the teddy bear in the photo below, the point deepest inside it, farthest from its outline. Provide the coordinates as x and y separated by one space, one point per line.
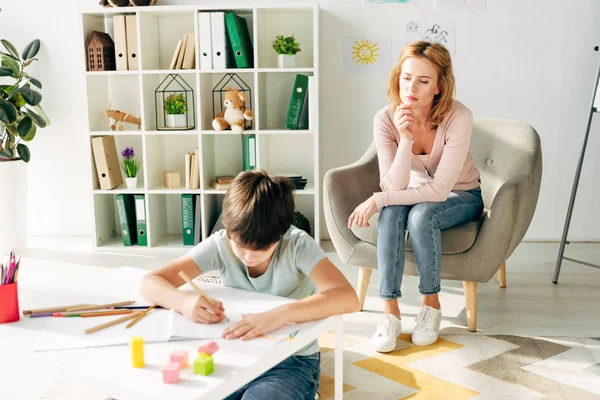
235 112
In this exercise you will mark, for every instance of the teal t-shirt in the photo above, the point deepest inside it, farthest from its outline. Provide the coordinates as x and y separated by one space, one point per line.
287 276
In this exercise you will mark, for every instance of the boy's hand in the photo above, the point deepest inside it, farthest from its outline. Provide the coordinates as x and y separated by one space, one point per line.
254 325
198 309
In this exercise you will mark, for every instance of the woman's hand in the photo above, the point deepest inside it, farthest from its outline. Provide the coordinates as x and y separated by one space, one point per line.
254 325
361 214
404 120
199 309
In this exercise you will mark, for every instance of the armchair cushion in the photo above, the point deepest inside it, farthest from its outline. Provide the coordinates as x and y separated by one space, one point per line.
455 240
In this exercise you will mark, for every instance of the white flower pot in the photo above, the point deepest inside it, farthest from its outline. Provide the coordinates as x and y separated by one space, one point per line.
286 61
131 182
176 121
13 203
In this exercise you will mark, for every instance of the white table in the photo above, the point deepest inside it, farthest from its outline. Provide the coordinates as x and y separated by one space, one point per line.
109 368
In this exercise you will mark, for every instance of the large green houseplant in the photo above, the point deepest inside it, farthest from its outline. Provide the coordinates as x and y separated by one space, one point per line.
20 111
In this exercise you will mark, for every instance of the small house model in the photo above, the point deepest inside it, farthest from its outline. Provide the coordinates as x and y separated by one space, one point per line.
100 52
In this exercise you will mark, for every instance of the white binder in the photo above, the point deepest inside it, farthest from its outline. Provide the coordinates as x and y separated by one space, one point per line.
120 35
219 42
205 40
132 44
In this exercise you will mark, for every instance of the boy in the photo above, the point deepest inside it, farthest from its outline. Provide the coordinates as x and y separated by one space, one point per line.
260 250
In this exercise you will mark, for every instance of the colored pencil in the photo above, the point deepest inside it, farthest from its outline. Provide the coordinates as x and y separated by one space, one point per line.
198 290
135 321
112 323
91 313
101 306
135 307
53 309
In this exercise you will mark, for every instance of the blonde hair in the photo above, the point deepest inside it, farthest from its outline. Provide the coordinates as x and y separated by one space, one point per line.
440 57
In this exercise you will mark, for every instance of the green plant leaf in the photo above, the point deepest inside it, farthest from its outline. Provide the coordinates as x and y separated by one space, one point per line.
39 111
18 88
35 82
6 153
28 62
6 71
39 121
25 126
31 96
12 64
29 137
23 152
13 130
20 101
31 49
8 112
11 49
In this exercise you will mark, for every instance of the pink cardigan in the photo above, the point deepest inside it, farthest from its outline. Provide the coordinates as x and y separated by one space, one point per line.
407 179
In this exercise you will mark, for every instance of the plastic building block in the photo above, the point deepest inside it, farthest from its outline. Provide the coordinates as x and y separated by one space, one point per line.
137 351
208 347
181 357
204 364
171 373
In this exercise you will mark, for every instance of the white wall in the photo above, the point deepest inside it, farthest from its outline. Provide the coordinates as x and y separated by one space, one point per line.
527 60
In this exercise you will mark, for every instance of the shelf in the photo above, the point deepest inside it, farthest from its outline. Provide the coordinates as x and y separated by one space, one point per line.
278 149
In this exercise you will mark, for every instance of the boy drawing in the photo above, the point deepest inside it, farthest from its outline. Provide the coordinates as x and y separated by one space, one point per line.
259 250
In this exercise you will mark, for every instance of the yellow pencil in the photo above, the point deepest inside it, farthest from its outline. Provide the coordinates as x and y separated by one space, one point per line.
198 290
135 321
111 323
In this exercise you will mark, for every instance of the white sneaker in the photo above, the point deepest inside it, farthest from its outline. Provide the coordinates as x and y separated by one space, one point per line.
427 326
388 329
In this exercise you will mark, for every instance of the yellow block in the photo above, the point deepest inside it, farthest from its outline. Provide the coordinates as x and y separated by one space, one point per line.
137 351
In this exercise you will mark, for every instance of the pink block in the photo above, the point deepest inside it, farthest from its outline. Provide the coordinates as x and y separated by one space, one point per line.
171 373
181 357
208 347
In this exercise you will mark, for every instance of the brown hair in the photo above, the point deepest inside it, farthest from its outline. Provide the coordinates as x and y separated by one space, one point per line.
440 57
258 209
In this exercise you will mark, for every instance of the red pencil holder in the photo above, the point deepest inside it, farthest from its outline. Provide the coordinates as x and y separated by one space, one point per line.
9 303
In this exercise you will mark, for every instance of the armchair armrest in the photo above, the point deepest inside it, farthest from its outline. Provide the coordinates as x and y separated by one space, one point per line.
344 188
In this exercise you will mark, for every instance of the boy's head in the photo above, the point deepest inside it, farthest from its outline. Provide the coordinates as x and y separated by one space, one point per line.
258 209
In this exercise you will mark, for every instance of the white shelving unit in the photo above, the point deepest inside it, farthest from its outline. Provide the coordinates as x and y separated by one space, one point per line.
278 149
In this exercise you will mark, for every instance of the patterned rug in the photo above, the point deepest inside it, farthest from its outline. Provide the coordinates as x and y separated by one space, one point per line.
467 367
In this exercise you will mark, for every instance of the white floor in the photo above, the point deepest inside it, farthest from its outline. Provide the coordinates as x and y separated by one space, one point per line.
530 305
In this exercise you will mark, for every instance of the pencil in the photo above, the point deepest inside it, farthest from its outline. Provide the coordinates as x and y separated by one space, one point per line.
135 307
101 306
92 313
53 309
112 323
198 290
135 321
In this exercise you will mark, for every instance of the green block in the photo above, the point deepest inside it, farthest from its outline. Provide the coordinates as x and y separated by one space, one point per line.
204 364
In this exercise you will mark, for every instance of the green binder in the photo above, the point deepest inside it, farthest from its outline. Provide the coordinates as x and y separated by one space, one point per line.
140 218
187 219
239 36
249 152
297 101
126 214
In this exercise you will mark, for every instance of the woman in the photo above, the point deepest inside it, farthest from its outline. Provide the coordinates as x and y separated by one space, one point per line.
428 182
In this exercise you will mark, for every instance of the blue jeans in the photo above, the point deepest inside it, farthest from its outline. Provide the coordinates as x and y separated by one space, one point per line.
424 222
295 378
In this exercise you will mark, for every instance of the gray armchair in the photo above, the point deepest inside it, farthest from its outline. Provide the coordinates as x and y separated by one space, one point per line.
508 155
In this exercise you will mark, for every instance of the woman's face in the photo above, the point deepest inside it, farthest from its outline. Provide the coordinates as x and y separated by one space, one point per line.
418 82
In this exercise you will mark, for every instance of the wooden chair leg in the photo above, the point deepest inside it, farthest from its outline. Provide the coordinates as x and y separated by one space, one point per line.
364 276
502 276
471 303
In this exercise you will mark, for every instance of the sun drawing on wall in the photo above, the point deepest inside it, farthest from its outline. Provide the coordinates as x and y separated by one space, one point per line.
365 52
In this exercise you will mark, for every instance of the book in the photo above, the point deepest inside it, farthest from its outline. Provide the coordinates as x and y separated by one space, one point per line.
224 178
239 37
249 152
187 218
176 54
297 101
197 220
126 216
140 219
219 186
189 57
181 55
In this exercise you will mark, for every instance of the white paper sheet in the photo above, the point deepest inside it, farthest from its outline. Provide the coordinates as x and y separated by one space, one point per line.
458 5
434 31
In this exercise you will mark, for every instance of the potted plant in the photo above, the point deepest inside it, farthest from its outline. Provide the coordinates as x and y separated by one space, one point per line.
20 117
286 49
176 108
130 167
